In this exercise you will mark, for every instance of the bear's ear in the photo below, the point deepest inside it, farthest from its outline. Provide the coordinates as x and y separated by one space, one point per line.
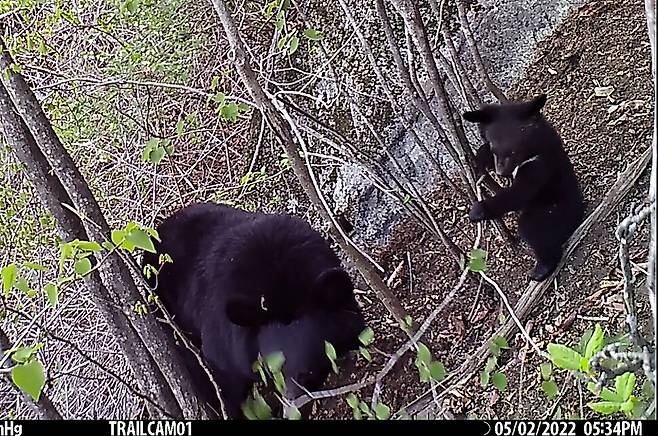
535 105
246 312
333 288
478 116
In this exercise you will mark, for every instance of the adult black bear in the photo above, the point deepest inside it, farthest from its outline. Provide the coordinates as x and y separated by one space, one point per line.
246 283
523 145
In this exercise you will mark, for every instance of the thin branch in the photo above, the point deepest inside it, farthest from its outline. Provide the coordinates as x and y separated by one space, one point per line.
118 81
472 45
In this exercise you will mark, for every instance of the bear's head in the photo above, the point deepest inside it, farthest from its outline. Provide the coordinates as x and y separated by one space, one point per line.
281 270
303 342
510 128
283 298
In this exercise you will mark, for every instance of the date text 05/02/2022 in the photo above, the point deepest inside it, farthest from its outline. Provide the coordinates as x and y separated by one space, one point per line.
567 428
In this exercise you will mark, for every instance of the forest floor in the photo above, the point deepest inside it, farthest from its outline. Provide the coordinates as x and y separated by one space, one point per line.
603 44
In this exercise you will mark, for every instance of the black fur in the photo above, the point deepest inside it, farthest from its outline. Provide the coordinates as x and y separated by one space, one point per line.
246 283
523 145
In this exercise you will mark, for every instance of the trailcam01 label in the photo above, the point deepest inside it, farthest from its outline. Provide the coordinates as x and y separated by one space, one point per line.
150 428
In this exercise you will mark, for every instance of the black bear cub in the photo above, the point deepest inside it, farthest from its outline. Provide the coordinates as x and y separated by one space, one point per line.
523 145
242 284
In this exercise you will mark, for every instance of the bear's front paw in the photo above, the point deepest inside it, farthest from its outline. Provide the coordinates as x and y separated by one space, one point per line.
479 212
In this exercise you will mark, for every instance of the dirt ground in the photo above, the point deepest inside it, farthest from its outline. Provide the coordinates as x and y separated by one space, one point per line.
603 44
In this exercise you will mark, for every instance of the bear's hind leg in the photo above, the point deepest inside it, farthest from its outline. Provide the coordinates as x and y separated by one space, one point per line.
547 259
541 232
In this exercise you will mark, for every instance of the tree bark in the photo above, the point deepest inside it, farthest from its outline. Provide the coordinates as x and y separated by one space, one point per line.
151 352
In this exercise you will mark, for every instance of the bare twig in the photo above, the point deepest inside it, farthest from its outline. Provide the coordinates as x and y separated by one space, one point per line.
472 45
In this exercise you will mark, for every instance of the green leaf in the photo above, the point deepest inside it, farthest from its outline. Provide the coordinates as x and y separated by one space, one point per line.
150 145
546 370
180 127
595 343
261 408
491 363
352 400
118 236
424 355
22 354
248 410
365 353
51 293
219 98
313 35
30 378
624 385
605 407
564 357
382 412
330 351
82 266
89 246
499 380
407 322
280 21
501 342
22 285
168 147
550 389
484 378
132 5
424 373
582 345
477 260
605 394
628 405
229 112
214 83
35 266
153 233
243 107
584 364
156 155
294 45
294 414
367 336
275 362
437 371
8 273
140 239
279 382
